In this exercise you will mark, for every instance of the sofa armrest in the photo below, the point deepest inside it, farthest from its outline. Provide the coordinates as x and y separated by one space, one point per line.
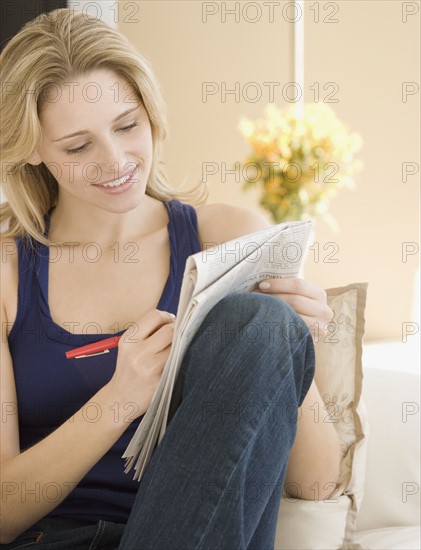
392 484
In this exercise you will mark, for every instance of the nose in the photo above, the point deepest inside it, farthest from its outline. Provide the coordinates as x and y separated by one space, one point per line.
111 162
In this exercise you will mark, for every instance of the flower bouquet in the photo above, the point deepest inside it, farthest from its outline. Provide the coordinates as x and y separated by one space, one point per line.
299 160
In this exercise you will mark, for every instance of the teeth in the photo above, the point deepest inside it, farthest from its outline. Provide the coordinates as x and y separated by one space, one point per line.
116 183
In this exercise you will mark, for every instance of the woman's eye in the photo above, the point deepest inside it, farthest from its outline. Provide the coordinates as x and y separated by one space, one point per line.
83 147
129 127
78 150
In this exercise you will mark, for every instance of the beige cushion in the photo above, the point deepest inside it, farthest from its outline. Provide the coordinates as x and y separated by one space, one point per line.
305 524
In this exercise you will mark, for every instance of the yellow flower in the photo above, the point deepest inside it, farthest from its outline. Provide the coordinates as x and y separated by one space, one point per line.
302 148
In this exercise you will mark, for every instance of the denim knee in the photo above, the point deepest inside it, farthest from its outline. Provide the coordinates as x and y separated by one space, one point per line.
248 342
254 316
247 321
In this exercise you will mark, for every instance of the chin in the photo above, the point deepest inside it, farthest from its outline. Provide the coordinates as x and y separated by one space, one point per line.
123 209
120 203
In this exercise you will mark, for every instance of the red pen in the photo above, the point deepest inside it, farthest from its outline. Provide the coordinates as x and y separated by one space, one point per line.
96 348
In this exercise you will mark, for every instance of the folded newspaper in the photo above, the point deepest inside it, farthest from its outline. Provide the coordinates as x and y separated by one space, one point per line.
209 276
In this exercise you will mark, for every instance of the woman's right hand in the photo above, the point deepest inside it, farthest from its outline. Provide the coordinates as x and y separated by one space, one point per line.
143 350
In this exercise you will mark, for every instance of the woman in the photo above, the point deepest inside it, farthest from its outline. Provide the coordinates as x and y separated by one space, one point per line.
94 243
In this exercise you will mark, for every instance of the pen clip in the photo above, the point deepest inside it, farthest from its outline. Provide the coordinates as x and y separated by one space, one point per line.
92 354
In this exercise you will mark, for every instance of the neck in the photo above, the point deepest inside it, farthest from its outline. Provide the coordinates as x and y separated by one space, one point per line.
88 224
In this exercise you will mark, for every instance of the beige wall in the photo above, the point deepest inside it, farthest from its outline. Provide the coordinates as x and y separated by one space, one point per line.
369 52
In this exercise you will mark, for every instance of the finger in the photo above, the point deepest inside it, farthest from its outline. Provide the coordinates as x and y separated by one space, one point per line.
295 285
305 306
149 323
161 339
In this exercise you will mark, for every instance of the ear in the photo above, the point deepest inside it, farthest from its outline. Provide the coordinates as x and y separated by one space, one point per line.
34 159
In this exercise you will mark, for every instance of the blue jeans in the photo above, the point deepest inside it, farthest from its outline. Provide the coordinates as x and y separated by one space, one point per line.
216 479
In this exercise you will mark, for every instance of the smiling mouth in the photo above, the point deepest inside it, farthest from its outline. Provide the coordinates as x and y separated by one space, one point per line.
118 182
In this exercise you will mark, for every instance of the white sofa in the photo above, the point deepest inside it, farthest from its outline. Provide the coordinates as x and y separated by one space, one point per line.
390 513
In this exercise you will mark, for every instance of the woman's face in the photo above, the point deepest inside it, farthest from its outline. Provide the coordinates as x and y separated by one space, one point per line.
113 141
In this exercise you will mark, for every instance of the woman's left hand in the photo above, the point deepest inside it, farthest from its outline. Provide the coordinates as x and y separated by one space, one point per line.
307 299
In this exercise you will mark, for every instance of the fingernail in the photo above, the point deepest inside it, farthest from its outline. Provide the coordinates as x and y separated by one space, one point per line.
264 286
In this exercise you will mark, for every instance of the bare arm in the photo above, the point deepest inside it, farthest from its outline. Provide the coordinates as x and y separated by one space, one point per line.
60 461
313 464
65 456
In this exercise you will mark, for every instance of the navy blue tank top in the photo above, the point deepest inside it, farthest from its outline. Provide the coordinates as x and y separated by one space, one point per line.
51 388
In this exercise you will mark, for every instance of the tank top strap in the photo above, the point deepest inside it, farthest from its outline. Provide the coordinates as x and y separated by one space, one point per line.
28 258
42 270
184 238
183 226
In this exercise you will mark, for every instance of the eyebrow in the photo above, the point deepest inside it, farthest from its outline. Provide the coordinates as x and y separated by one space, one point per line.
83 132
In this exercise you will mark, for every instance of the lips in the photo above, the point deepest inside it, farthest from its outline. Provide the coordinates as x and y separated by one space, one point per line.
119 189
121 179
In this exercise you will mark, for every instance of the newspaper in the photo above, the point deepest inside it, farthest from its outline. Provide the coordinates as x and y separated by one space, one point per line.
209 276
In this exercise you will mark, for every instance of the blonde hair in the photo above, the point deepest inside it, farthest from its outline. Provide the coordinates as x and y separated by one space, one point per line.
47 52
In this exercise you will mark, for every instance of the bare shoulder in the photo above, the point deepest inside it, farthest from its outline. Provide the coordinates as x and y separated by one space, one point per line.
219 222
9 271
